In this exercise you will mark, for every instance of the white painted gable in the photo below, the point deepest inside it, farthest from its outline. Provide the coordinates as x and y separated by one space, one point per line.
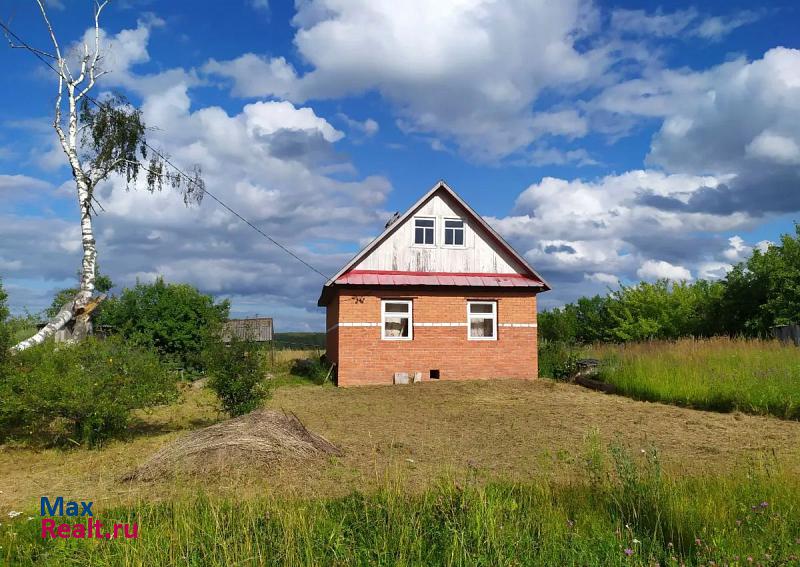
480 253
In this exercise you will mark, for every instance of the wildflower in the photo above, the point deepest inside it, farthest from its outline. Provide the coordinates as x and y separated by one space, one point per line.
669 545
30 518
571 523
636 540
749 559
697 541
764 504
628 551
738 522
13 514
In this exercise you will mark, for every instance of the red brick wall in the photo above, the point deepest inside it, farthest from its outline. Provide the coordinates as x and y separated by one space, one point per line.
362 357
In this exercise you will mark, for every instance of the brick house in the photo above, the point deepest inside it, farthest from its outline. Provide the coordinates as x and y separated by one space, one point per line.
440 293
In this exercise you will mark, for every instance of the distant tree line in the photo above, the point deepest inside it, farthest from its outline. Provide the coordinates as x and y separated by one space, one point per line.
759 293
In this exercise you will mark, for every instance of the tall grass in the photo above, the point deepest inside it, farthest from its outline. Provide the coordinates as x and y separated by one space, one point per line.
623 511
752 376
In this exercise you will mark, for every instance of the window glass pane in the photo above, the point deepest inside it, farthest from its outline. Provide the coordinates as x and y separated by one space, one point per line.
396 327
481 308
479 327
419 236
459 238
396 307
454 223
424 222
448 237
428 236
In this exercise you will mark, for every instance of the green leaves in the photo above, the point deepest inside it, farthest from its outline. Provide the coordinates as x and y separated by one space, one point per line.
757 294
115 141
176 319
83 392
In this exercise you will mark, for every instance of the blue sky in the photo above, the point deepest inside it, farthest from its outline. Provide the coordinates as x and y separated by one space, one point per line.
607 141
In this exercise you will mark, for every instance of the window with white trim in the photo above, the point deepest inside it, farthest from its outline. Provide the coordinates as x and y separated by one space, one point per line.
453 232
396 320
482 320
424 231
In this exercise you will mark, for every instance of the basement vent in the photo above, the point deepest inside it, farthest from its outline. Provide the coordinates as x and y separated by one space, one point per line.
435 374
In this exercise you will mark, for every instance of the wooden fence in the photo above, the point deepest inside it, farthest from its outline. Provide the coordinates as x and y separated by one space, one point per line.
787 333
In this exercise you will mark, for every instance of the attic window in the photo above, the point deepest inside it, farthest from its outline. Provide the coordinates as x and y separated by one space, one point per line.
453 232
424 231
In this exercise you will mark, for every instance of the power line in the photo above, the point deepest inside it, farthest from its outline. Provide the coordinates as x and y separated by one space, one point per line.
164 158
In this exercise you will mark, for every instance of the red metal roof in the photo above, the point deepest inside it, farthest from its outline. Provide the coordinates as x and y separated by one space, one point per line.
374 277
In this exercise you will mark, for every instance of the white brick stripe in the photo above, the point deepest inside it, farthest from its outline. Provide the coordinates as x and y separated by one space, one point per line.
516 325
354 325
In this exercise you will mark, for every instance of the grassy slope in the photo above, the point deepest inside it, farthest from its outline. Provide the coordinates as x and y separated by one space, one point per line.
758 377
517 490
631 516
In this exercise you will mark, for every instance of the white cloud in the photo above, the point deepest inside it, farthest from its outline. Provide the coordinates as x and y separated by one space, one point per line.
260 4
273 161
466 70
775 147
688 23
659 269
584 235
13 185
737 250
601 277
713 270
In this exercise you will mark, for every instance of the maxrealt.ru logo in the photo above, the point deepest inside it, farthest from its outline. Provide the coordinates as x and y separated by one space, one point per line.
87 528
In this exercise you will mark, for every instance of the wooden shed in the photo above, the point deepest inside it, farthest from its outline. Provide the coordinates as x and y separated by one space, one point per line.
258 329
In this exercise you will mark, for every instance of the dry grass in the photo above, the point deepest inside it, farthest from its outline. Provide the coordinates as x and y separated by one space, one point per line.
509 429
261 437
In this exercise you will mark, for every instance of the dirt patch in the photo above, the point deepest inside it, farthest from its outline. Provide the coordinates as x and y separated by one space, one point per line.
260 438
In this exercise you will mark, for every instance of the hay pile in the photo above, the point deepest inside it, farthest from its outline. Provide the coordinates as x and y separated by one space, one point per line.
263 437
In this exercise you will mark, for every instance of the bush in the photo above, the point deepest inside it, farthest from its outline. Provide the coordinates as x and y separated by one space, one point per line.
5 330
557 359
176 319
315 369
83 392
236 375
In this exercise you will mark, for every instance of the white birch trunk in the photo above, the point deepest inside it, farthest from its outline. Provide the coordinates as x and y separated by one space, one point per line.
76 88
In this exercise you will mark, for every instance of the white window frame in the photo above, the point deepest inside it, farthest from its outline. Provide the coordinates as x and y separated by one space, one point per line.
410 319
463 230
414 234
492 315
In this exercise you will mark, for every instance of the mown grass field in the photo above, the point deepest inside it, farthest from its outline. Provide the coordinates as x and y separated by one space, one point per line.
472 473
752 376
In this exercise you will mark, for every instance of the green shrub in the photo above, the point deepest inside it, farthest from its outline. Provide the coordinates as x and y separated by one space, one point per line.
5 330
237 375
83 392
176 319
313 368
557 359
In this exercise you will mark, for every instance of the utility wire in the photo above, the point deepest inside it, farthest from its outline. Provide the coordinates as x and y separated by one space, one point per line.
166 160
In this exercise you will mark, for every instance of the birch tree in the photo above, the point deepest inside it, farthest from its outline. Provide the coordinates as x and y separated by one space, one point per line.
100 139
